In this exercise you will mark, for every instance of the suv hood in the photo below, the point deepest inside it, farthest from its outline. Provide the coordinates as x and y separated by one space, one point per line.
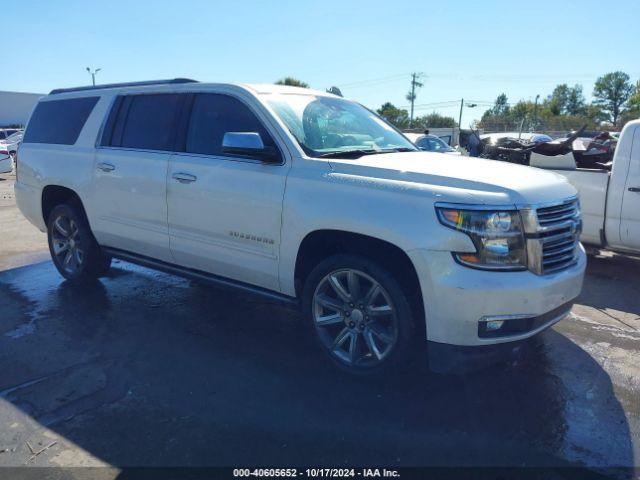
461 179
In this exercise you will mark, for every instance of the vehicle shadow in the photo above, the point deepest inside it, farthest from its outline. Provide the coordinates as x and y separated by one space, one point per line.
146 369
612 283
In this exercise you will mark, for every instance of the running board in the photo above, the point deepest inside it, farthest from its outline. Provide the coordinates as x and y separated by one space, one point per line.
193 274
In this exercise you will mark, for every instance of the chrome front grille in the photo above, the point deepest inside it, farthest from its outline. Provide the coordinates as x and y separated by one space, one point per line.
552 232
557 213
559 229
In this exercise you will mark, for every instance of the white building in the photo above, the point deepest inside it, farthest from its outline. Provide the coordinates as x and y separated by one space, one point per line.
15 107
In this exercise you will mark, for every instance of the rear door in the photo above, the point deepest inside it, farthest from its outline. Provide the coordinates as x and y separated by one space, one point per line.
224 210
630 214
129 183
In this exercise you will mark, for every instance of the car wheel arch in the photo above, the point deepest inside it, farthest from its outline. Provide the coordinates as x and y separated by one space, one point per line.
319 244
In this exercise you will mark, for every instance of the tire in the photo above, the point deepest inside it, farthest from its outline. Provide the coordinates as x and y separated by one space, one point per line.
74 250
362 329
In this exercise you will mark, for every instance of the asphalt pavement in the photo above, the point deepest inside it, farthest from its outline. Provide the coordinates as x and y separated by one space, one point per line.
147 369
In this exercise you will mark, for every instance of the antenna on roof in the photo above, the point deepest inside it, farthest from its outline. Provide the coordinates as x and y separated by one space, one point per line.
335 91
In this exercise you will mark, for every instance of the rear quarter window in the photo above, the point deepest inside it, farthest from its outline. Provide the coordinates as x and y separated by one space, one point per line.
59 121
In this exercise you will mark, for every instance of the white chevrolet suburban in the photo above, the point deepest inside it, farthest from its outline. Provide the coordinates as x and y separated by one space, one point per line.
311 199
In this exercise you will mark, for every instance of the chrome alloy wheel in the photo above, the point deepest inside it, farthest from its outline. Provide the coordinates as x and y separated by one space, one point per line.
355 318
66 244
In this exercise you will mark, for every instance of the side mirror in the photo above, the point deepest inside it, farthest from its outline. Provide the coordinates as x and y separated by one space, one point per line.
249 144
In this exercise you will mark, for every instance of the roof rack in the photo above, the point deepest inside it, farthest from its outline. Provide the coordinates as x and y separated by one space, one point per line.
118 85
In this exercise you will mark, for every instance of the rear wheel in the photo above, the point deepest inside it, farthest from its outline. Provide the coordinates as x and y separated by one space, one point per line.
74 250
359 313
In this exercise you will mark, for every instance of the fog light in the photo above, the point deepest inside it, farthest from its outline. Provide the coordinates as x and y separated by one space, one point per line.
493 325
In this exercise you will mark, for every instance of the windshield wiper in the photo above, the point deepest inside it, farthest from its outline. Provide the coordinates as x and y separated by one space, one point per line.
362 152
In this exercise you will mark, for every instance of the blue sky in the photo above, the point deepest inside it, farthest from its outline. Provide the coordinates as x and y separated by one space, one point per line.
474 50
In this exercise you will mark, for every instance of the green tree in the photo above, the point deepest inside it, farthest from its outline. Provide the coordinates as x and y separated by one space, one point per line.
524 109
498 117
398 117
292 82
501 105
632 111
434 120
611 92
576 103
565 100
557 101
595 114
634 101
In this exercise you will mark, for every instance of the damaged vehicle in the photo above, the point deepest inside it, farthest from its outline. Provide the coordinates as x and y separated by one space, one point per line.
608 182
525 149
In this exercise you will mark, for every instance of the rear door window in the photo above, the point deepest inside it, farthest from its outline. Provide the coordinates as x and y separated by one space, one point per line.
146 122
59 121
212 116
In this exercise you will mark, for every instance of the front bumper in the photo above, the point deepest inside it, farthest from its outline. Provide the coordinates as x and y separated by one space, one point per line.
457 298
447 358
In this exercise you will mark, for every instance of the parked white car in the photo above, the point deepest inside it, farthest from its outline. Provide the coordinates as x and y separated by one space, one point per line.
6 161
7 132
310 199
9 141
431 143
610 198
8 150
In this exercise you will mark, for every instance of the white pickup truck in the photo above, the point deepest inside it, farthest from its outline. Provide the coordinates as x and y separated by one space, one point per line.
610 200
304 197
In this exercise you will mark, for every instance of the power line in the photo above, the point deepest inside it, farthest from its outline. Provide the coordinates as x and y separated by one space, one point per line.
374 80
432 104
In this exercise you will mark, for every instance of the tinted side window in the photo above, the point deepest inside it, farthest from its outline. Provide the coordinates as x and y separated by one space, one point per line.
424 143
149 122
59 121
212 116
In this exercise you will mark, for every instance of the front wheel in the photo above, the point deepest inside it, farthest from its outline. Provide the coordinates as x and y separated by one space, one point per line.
74 250
359 313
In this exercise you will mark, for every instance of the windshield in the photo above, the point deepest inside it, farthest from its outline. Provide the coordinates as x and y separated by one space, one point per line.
326 126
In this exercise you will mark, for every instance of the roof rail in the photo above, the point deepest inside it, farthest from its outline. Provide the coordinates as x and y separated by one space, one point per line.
118 85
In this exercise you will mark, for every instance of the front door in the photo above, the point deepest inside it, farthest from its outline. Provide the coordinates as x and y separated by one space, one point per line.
630 214
225 211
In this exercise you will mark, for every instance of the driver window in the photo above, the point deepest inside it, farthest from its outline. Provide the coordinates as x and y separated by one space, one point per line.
212 116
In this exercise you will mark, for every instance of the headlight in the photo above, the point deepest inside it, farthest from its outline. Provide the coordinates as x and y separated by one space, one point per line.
496 234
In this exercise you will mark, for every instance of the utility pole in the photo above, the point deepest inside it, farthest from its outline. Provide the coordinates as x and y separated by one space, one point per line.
535 113
93 75
411 96
469 105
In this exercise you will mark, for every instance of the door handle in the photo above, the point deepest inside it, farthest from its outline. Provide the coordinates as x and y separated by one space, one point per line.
634 189
184 177
106 167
